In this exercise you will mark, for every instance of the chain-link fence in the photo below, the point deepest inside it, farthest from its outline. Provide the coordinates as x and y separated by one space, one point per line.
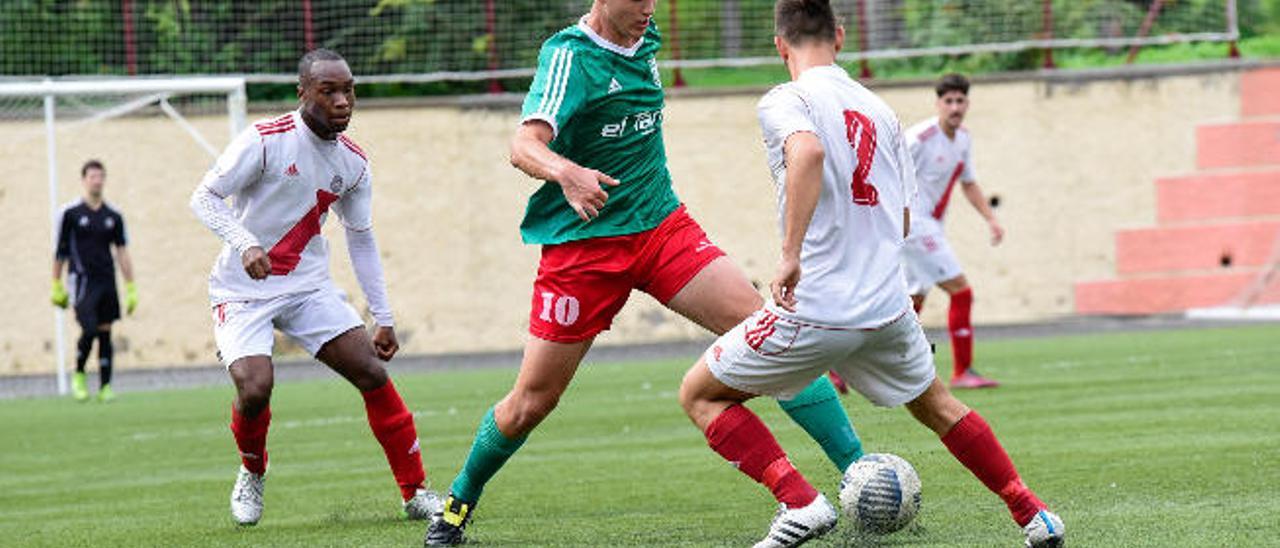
479 39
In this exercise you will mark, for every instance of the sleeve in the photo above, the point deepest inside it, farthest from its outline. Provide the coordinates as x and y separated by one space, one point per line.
915 147
63 249
118 235
558 90
363 250
240 165
968 176
783 112
355 209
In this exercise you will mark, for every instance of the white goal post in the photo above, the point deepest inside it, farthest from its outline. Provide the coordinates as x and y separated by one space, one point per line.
134 94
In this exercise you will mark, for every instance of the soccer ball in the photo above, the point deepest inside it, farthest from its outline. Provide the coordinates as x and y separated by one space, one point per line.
880 493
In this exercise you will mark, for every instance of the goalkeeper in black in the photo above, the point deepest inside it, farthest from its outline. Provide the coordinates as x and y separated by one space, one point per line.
91 239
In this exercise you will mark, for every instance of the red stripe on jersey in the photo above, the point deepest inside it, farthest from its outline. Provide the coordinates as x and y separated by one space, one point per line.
941 209
280 122
275 130
926 134
353 147
287 252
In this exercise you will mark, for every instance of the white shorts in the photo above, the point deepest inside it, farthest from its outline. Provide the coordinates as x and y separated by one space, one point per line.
927 259
244 328
770 355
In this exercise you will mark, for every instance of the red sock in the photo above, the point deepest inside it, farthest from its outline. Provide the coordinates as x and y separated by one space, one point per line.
392 424
739 436
251 438
976 447
961 331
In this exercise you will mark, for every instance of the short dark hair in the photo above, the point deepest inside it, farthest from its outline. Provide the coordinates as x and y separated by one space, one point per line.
801 21
310 58
952 82
92 164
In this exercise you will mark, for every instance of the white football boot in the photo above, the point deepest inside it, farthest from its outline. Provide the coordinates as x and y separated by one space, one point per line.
796 526
246 497
1045 531
423 506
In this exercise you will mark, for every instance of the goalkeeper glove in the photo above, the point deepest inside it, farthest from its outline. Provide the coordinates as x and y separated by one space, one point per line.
130 297
58 296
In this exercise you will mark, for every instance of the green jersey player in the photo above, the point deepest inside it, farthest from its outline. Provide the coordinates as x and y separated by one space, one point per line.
608 222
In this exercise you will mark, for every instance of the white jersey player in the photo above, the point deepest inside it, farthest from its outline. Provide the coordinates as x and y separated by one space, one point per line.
941 151
284 175
845 183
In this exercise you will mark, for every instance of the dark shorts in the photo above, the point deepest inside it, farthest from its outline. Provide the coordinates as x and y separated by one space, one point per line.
96 303
582 285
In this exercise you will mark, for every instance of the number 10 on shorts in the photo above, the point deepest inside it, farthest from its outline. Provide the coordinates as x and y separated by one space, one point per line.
563 309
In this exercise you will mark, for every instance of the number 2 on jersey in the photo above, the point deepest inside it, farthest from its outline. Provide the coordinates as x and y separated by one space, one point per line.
861 132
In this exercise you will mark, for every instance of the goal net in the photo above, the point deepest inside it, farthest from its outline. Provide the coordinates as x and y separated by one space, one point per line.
48 128
1259 299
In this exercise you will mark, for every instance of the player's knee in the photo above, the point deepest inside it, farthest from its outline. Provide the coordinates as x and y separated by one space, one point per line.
255 396
371 377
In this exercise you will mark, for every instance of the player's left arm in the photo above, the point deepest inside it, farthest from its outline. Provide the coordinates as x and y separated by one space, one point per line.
355 209
120 246
804 157
973 193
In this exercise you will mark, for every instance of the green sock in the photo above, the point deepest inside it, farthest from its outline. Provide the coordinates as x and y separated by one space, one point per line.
489 452
817 409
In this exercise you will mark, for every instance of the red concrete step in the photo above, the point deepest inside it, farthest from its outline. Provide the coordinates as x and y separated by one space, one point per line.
1218 195
1196 247
1238 144
1157 295
1260 92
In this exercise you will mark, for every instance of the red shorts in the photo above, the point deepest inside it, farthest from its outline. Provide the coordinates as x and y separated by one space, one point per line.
582 285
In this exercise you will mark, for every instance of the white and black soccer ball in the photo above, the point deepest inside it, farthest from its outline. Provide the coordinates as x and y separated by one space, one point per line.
880 493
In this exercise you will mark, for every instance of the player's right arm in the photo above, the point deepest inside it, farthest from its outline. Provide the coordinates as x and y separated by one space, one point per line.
240 166
785 121
58 292
556 94
531 153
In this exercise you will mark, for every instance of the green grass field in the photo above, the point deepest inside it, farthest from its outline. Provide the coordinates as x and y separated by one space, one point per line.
1136 439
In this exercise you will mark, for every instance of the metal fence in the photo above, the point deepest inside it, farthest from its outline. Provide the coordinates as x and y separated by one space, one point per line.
433 40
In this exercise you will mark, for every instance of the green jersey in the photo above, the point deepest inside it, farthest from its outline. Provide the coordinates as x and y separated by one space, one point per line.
604 105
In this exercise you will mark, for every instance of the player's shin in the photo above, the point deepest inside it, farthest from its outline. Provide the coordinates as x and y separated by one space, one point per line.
105 354
741 438
961 328
83 345
251 438
817 409
392 424
489 452
976 447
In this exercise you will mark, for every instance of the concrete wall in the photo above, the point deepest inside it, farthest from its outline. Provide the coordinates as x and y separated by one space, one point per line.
1072 160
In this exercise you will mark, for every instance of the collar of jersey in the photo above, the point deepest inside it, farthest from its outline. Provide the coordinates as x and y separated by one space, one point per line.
600 41
306 130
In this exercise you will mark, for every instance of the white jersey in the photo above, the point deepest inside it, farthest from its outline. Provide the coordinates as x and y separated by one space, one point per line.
851 274
939 164
283 180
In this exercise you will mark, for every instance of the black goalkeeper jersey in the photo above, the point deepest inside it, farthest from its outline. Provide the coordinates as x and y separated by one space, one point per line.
85 239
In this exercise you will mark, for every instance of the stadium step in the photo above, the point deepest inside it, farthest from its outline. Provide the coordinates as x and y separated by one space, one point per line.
1166 294
1248 143
1218 195
1195 247
1258 95
1217 227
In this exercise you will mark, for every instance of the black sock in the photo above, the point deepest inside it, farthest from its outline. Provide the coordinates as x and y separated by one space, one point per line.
104 357
82 349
